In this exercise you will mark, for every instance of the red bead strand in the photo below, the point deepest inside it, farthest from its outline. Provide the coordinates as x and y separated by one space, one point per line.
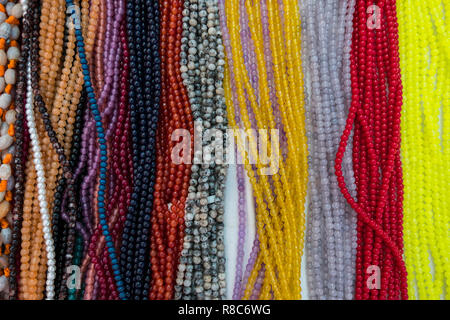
375 115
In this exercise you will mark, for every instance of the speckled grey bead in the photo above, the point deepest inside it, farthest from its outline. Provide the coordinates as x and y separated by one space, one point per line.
202 73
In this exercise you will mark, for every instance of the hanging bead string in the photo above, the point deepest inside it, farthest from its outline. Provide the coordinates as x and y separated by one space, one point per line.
69 91
90 13
425 150
121 170
134 26
379 183
242 216
144 100
276 282
9 55
63 109
73 293
108 102
331 231
31 283
250 63
168 215
70 218
201 273
41 187
152 89
20 157
103 152
242 279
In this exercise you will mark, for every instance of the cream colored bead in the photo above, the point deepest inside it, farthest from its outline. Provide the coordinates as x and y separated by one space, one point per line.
9 7
13 53
4 209
3 283
10 76
5 171
5 100
6 235
17 11
15 33
3 57
10 116
4 129
5 30
5 141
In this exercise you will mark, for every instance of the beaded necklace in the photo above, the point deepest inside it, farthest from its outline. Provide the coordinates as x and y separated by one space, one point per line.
20 156
331 229
242 279
376 84
103 153
172 180
33 281
144 100
425 150
242 218
74 158
108 102
201 272
55 157
9 55
282 226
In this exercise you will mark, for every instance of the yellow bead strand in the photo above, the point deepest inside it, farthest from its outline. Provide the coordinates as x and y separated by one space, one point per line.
280 197
424 59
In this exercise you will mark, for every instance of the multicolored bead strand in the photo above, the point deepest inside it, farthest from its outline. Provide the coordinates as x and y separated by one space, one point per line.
103 152
9 56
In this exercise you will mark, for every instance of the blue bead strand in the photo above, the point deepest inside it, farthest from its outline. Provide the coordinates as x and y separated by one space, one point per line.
103 152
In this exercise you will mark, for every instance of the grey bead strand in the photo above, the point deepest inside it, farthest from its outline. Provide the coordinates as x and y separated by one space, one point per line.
331 225
201 273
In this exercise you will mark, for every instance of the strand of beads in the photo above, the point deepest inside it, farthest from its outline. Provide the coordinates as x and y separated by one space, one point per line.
241 279
331 231
63 112
376 84
201 273
425 149
73 292
242 218
144 100
108 104
44 225
58 160
103 152
20 156
282 267
172 175
9 55
31 254
121 172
